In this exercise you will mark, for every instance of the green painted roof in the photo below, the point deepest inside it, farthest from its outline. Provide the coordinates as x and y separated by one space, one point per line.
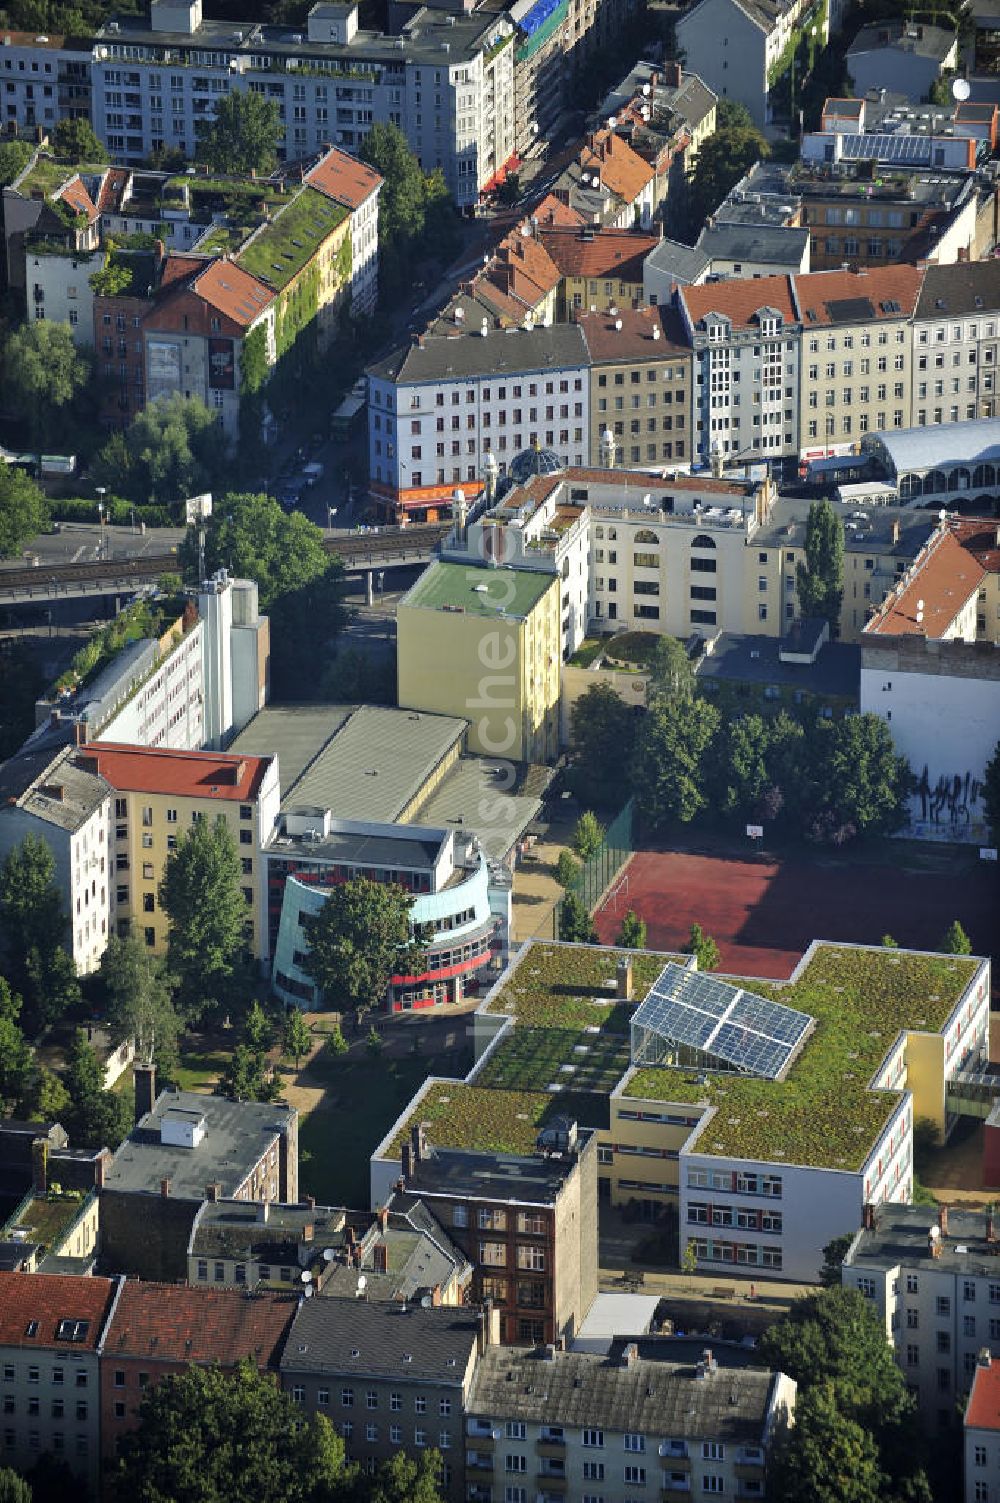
278 252
479 591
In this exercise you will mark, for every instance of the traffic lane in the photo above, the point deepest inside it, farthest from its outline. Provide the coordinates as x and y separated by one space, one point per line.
84 542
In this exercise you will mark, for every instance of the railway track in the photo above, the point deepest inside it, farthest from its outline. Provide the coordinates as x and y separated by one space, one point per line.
356 548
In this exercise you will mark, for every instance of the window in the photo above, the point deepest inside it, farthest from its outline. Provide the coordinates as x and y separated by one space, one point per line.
943 1304
515 1430
395 1402
420 1404
713 1450
593 1438
979 1456
371 1398
515 1463
634 1442
371 1431
593 1471
396 1434
298 1393
712 1483
347 1397
636 1475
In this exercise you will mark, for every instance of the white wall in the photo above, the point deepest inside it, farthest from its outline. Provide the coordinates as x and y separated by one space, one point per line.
726 49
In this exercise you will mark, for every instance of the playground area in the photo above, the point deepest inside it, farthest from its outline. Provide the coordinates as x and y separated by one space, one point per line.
763 912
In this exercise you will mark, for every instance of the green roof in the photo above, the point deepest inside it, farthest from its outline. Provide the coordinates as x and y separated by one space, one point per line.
278 252
47 1218
222 239
570 1031
479 591
823 1113
47 176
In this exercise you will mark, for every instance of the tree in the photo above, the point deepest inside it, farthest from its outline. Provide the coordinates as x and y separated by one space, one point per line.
955 940
173 449
671 676
703 947
24 511
33 925
991 794
296 1039
14 157
49 1100
588 835
632 934
75 141
200 893
603 733
401 207
208 1437
243 137
567 870
730 114
402 1480
358 940
15 1052
373 1043
853 780
825 1456
820 579
100 1118
13 1488
723 159
753 764
43 373
140 1002
248 1076
834 1254
888 943
575 923
667 771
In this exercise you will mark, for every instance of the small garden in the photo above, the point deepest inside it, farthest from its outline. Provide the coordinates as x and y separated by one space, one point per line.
631 651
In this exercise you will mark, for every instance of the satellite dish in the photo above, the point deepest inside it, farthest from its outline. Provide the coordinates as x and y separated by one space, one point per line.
961 89
309 1291
362 1283
935 1233
426 1302
306 1276
920 605
646 90
942 515
612 122
328 1255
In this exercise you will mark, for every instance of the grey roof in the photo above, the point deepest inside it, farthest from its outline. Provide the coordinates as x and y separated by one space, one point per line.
381 1340
394 846
920 40
377 764
502 816
295 734
901 1234
651 1397
419 1255
237 1134
502 352
736 658
685 263
787 524
494 1176
967 287
976 441
32 777
781 245
271 1233
692 101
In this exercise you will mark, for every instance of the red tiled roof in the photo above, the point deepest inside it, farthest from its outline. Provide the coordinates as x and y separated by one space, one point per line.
635 340
112 188
740 300
233 291
172 1323
49 1299
552 213
598 252
621 169
944 576
79 200
980 536
882 286
189 774
343 178
983 1412
177 267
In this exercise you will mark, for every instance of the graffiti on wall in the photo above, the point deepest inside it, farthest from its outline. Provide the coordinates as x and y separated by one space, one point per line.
952 799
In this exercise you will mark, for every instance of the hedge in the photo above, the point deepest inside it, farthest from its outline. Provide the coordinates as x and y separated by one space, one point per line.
117 512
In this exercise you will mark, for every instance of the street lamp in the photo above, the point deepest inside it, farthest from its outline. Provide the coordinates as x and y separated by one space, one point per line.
331 512
101 493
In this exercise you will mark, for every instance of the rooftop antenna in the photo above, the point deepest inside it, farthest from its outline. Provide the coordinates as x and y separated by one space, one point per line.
201 554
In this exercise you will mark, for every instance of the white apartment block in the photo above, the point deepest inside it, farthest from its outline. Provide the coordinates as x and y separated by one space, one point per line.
43 79
934 1277
956 340
544 1424
446 80
58 288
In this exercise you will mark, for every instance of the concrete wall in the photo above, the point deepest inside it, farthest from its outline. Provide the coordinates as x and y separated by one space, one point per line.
726 49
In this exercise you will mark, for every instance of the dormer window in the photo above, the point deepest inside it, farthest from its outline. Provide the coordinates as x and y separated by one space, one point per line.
72 1330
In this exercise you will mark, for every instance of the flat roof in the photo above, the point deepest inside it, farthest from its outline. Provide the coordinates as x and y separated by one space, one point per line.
901 1235
237 1134
377 764
491 1176
475 795
293 733
472 591
409 846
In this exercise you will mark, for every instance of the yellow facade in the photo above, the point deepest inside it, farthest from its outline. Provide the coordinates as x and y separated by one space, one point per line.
644 1142
483 645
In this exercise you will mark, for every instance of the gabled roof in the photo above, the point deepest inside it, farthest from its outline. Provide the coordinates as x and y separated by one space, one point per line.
173 1323
967 287
598 252
552 213
46 1312
739 301
849 297
409 1342
941 582
983 1412
644 334
621 169
237 294
343 178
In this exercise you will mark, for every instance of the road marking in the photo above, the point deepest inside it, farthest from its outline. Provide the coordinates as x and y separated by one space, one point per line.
76 555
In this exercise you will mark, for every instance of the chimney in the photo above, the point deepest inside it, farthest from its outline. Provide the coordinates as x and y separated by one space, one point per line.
416 1144
309 1201
349 1236
991 1234
382 1217
264 1212
145 1090
623 979
40 1165
164 1188
984 1359
436 1296
630 1354
489 1326
868 1217
309 1231
101 1168
406 1156
943 1220
422 1142
895 530
672 75
380 1254
213 1191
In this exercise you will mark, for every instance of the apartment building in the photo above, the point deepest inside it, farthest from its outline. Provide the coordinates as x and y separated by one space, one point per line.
43 79
548 1424
665 115
356 186
746 340
640 386
608 184
158 795
901 57
599 268
980 1428
51 1328
48 792
526 1221
445 80
437 409
742 50
932 1275
484 644
388 1377
956 337
157 1331
856 353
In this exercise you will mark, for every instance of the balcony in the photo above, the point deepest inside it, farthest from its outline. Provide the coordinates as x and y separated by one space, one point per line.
749 1471
550 1447
554 1487
674 1485
478 1462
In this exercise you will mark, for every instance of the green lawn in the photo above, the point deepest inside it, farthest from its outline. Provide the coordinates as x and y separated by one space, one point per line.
200 1068
364 1097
